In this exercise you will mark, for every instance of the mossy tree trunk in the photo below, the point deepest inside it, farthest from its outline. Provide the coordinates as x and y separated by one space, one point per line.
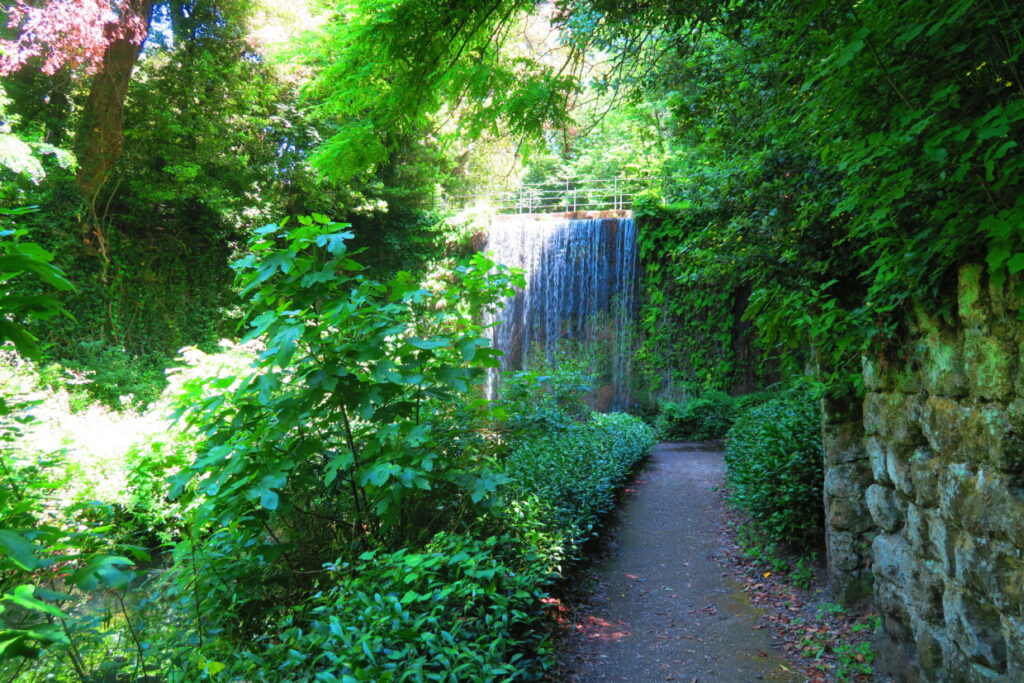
101 129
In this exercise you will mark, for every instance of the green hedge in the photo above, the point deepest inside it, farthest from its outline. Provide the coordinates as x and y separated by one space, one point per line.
463 608
774 468
574 472
707 416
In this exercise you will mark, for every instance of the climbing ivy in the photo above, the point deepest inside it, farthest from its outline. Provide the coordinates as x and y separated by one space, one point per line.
840 159
695 290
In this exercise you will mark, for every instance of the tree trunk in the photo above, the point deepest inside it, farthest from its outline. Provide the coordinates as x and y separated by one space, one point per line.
101 130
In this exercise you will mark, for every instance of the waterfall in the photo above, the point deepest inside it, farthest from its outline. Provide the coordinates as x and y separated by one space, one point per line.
581 294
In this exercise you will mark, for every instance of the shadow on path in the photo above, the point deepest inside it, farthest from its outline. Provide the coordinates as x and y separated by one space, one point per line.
662 608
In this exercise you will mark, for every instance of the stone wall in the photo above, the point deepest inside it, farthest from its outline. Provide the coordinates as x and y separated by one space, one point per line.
924 491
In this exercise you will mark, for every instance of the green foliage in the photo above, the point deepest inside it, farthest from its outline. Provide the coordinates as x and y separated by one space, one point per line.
748 401
544 400
707 416
695 290
149 512
95 371
26 260
459 609
44 551
836 162
393 71
355 426
575 471
22 154
774 469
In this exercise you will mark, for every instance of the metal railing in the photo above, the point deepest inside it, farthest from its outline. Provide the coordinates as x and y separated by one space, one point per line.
600 194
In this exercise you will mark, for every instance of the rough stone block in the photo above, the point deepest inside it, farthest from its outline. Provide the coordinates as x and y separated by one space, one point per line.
882 505
1019 379
941 541
848 480
943 373
1004 300
917 532
1008 575
874 414
925 590
897 659
976 627
907 379
988 436
845 554
924 474
981 503
877 457
891 558
876 375
932 647
896 621
972 563
1013 634
981 673
854 587
846 514
990 364
957 480
941 423
971 304
842 409
898 465
894 418
843 443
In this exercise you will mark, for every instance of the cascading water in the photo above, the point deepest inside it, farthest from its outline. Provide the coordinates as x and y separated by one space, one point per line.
580 296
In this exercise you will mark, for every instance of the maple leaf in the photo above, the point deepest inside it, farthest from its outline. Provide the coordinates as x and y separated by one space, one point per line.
68 33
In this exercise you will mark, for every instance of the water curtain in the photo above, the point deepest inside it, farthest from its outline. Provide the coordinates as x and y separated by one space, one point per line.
580 297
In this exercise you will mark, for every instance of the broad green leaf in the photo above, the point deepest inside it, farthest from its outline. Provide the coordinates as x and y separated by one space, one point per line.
24 596
269 500
428 344
19 550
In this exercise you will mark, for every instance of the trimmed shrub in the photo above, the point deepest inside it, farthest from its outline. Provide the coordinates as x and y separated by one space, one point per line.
774 468
707 416
460 609
752 400
575 472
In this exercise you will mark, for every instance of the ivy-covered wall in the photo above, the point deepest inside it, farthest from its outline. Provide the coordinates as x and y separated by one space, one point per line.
925 489
692 335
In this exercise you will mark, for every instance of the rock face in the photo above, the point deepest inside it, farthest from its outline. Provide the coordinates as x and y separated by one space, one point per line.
924 492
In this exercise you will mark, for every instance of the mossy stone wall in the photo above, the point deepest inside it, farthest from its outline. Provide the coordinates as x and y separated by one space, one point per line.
925 491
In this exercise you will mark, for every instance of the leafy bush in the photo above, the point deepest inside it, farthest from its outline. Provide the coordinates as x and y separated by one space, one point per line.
707 416
545 399
752 400
149 465
460 609
109 374
43 552
356 426
574 472
774 468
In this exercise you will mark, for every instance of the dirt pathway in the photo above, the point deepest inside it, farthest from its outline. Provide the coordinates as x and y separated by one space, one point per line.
662 608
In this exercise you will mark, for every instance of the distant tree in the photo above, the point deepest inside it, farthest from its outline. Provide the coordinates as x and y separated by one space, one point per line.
68 33
104 39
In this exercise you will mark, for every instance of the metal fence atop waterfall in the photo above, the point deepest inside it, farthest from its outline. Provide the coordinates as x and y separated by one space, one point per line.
593 194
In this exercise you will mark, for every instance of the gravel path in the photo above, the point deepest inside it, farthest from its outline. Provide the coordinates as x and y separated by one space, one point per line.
661 608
